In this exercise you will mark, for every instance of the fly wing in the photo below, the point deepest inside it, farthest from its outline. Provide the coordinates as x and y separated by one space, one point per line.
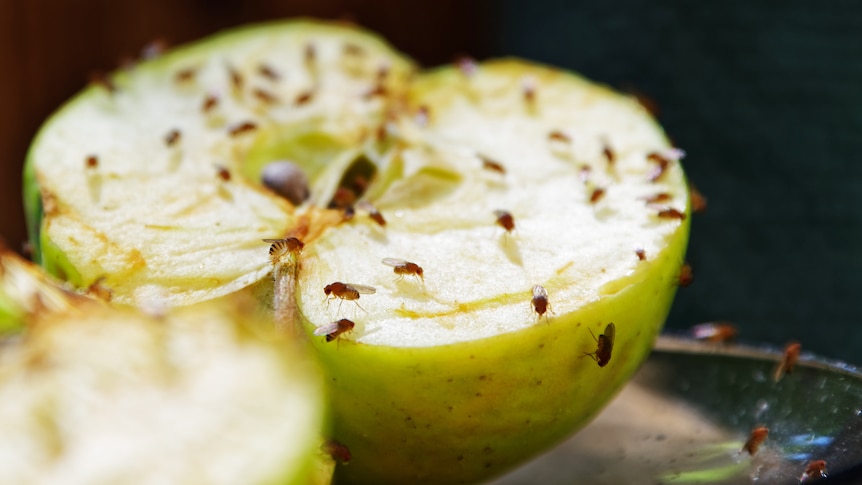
394 262
326 329
610 332
539 291
363 289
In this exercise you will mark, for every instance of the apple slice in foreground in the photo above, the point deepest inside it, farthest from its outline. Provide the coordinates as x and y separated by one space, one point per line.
205 394
548 217
455 376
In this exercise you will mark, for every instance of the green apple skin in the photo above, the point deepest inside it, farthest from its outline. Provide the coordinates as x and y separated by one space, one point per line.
465 412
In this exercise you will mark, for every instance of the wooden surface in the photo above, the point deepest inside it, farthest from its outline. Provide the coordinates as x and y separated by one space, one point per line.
49 47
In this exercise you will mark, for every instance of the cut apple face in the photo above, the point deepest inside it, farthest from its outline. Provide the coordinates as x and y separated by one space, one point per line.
483 254
203 394
150 182
549 225
444 208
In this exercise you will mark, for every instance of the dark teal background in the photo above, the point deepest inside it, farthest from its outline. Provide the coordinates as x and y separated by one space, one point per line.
766 98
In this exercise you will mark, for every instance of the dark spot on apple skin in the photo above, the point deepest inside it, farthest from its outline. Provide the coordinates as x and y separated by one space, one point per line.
483 377
449 379
538 382
472 356
478 394
487 464
460 458
450 408
487 450
542 346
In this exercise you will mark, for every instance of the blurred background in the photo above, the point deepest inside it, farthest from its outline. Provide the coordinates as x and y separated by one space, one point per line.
766 98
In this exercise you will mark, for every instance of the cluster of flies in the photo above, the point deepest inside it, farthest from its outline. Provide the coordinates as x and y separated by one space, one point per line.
240 86
347 291
503 218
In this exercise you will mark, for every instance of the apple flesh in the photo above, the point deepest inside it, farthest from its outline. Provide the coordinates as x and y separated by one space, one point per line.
453 377
204 394
146 190
450 377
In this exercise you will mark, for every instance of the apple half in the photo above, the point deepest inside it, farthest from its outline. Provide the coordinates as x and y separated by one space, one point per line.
202 394
503 181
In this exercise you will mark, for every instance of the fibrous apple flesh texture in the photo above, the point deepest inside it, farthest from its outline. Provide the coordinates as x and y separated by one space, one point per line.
451 379
92 394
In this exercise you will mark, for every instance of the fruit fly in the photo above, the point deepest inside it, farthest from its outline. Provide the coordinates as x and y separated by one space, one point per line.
609 153
347 291
816 468
605 342
663 159
265 96
223 173
539 302
92 162
467 66
528 89
584 173
423 115
282 247
334 329
492 165
686 275
505 220
338 451
310 54
558 135
154 49
714 331
597 195
698 201
268 72
641 254
671 213
353 50
172 138
241 128
210 102
372 211
403 268
758 435
304 98
657 198
236 79
788 361
185 75
99 78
